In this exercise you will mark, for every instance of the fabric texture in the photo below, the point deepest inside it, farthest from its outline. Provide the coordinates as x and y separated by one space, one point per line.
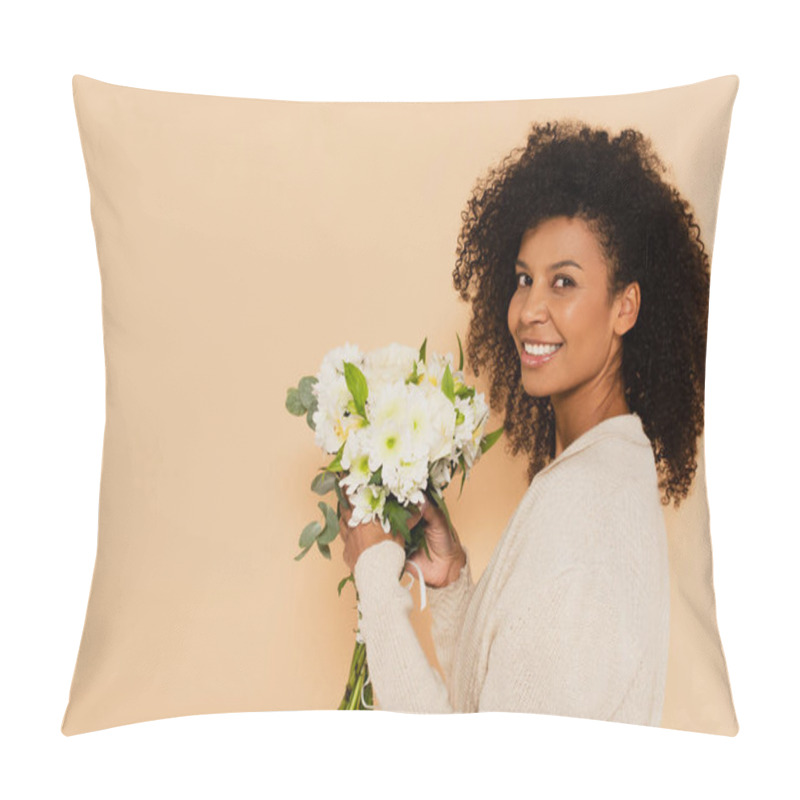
571 617
240 239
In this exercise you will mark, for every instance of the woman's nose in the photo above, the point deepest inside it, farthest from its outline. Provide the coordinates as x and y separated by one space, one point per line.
535 307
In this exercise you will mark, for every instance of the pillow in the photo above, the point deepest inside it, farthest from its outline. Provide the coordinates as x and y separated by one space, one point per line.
238 241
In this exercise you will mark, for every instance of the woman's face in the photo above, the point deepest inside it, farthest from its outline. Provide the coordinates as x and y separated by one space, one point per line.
561 299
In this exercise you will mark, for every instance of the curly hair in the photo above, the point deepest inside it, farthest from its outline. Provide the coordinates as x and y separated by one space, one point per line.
648 234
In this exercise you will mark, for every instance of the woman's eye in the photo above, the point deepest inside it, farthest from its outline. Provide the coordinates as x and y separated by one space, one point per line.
522 277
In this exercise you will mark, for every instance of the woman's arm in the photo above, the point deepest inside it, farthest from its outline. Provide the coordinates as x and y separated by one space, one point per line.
402 677
592 640
448 607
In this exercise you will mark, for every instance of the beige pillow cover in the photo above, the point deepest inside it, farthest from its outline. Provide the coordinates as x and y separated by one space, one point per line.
239 240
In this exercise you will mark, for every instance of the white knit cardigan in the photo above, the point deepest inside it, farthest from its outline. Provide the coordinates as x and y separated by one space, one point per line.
571 615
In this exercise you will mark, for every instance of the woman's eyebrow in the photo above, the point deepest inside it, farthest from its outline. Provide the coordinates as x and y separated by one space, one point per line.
557 265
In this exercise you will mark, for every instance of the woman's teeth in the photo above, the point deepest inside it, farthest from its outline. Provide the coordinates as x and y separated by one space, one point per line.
540 349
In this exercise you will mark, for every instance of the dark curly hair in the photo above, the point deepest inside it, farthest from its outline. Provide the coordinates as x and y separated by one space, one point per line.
648 234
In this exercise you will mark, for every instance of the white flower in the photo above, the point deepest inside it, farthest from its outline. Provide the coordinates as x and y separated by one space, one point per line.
389 364
332 420
355 459
441 473
422 407
434 370
368 503
471 449
389 429
407 480
442 423
333 362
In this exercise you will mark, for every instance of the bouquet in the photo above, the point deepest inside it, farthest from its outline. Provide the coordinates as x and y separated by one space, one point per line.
400 423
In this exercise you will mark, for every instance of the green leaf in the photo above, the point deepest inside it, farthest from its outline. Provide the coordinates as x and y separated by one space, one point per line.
422 356
398 517
414 376
357 384
464 391
425 547
305 387
324 549
300 555
491 438
439 500
310 533
336 464
294 405
463 465
310 419
340 495
331 529
376 477
342 582
459 417
460 354
447 385
324 482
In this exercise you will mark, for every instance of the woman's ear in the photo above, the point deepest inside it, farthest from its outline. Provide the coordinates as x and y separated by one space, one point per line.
629 301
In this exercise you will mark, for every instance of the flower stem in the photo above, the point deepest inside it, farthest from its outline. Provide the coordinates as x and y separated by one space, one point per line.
359 656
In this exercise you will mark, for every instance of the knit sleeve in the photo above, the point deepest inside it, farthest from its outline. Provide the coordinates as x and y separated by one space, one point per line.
592 640
401 675
448 607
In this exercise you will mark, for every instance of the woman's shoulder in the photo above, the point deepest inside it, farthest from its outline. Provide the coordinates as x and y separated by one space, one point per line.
614 457
604 499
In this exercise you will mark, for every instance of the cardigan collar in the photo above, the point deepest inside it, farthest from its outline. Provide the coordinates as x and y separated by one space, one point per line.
622 426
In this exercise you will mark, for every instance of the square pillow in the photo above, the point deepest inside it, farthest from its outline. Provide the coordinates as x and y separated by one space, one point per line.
238 241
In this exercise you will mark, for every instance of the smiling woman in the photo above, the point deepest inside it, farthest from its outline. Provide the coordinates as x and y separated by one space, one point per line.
577 193
589 289
568 334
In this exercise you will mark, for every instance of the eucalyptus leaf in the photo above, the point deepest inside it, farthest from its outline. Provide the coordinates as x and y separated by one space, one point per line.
300 555
310 419
324 549
310 533
294 405
324 482
331 529
305 387
340 495
342 582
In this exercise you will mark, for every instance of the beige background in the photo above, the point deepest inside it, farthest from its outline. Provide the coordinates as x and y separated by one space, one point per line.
238 241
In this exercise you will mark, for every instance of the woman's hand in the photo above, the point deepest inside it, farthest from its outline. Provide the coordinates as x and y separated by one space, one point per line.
447 556
359 538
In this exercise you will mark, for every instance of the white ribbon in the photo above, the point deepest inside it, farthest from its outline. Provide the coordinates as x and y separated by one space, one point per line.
422 598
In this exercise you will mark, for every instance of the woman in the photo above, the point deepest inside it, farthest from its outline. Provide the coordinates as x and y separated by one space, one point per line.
589 288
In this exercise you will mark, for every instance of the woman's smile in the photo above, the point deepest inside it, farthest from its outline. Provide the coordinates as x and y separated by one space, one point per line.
537 355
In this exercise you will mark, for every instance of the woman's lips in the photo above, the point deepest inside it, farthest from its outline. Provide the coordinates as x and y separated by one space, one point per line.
535 361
